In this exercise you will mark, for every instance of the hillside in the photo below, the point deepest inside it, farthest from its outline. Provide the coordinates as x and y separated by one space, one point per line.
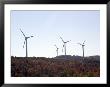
60 66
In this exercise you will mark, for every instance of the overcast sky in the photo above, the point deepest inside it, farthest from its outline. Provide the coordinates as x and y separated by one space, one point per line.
47 26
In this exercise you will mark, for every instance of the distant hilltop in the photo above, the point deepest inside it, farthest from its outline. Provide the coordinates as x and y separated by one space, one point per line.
67 57
96 57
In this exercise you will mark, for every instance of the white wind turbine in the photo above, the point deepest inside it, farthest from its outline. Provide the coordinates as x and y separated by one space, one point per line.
83 44
25 42
64 45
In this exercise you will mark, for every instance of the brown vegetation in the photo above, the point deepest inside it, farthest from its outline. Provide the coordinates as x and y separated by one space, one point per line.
54 67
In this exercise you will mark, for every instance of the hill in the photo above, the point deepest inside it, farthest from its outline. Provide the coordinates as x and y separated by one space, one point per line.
60 66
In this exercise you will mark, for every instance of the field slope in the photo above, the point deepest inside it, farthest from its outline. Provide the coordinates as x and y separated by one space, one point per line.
61 66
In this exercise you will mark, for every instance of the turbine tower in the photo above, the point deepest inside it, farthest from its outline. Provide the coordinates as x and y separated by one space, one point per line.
25 42
57 49
64 45
83 44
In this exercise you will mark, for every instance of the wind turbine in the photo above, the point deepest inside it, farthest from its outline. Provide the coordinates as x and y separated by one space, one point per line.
57 49
64 45
83 44
25 42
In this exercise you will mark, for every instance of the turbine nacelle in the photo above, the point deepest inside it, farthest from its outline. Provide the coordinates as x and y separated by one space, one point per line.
67 41
81 44
28 37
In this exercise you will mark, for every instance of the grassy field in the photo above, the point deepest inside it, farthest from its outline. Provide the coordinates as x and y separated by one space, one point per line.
70 66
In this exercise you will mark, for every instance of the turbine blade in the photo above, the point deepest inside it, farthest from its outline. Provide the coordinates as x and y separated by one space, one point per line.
83 42
62 39
68 41
79 43
63 45
32 36
22 33
28 37
23 44
55 46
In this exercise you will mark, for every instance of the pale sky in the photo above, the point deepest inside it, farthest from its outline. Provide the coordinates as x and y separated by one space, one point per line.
46 26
